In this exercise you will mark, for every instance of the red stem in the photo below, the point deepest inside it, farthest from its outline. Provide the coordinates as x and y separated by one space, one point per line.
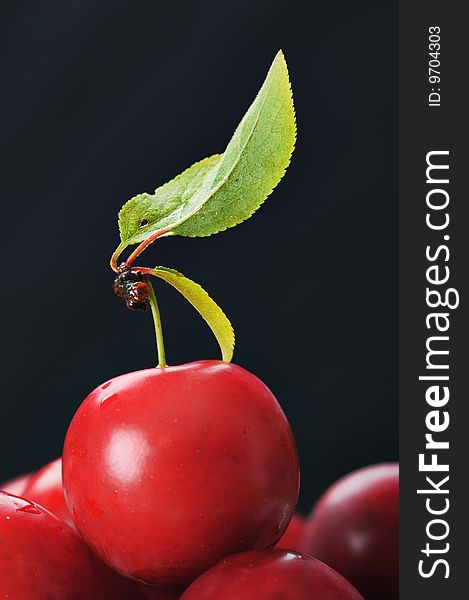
141 247
145 270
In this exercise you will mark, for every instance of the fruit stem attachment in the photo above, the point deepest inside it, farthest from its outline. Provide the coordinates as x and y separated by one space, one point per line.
155 311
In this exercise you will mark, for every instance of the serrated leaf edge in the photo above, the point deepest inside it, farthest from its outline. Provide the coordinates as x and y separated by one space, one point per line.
290 95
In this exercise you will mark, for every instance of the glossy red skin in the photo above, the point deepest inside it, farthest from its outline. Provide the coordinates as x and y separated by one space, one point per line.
271 575
41 557
354 528
17 485
45 488
168 470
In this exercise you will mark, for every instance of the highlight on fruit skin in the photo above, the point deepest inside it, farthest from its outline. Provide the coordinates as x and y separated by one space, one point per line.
17 485
45 488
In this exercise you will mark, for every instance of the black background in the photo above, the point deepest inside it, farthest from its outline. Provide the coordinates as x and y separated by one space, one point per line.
103 100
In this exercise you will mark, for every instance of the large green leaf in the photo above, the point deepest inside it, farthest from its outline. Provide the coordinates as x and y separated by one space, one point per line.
222 191
253 163
205 306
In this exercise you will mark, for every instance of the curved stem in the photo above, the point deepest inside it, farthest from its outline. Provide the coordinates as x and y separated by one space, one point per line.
141 247
115 257
145 270
138 250
155 311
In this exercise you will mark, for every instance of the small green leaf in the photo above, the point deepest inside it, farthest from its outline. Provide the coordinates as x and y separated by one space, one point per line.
205 306
224 190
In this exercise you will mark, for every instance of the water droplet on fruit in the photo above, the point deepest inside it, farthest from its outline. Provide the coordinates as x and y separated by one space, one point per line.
108 399
106 385
7 518
29 508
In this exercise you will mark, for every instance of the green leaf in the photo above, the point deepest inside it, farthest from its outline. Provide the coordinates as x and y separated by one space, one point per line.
224 190
253 163
162 207
205 306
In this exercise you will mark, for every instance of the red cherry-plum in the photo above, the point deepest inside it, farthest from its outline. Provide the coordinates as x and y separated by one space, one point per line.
41 557
168 470
271 575
45 488
354 528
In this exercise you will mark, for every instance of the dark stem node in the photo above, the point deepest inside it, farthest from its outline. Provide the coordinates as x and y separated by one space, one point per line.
132 286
